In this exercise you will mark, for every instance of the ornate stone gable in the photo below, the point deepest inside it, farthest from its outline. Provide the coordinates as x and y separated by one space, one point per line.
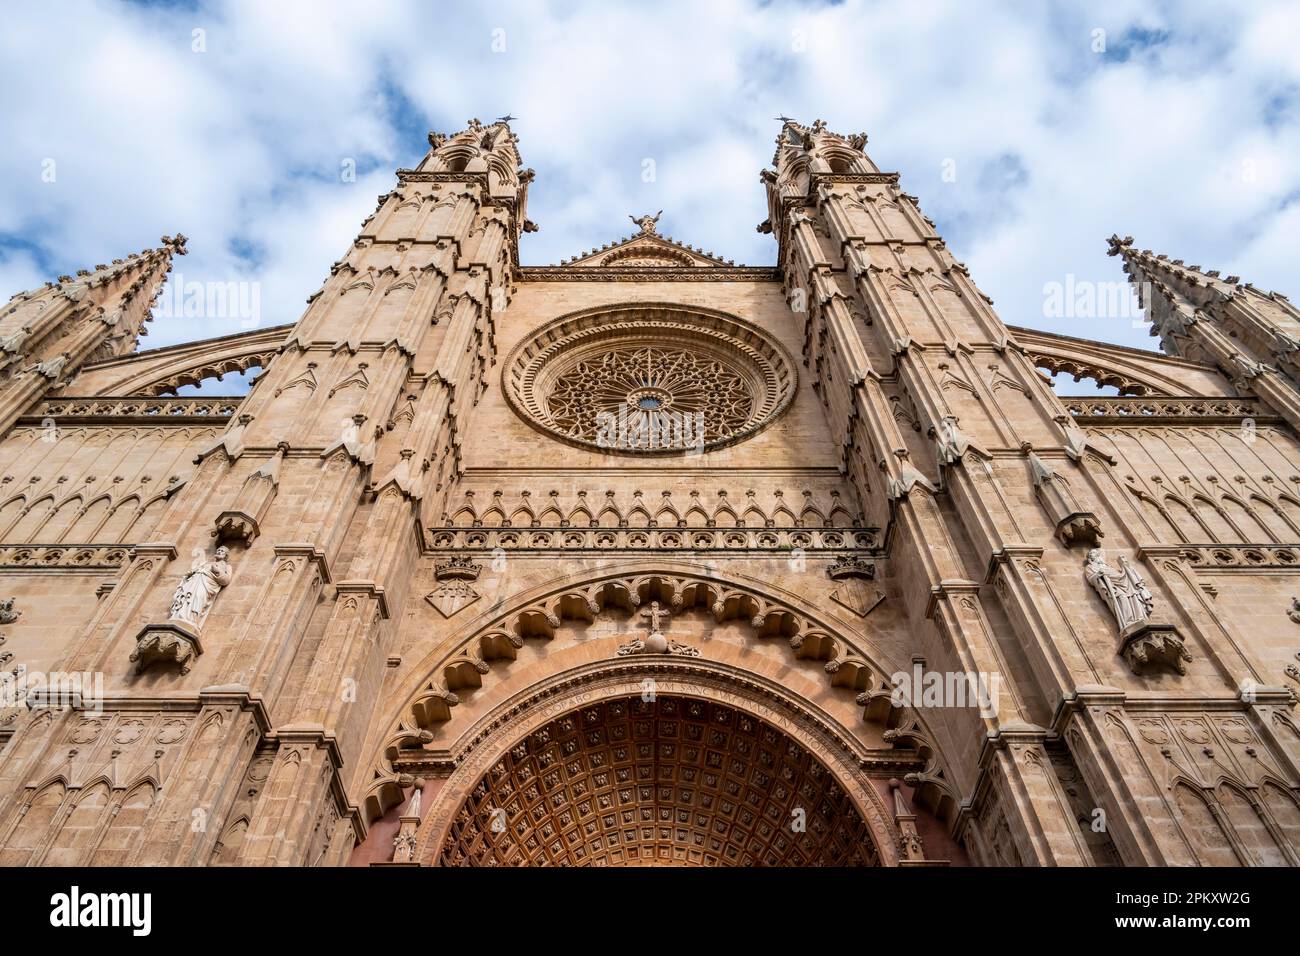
647 250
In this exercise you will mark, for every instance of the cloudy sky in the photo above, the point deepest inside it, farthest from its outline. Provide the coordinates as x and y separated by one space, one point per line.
1029 131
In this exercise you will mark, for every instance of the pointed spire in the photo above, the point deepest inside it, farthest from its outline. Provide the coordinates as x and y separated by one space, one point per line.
1177 296
1185 279
51 332
83 284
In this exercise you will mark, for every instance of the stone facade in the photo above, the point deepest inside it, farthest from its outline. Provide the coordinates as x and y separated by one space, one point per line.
649 558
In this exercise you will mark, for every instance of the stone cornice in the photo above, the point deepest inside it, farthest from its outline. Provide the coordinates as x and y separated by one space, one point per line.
741 542
1007 555
890 179
228 695
368 589
311 735
445 176
93 558
949 588
308 551
133 410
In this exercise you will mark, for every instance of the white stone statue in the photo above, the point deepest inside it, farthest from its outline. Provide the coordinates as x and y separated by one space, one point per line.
200 585
1124 591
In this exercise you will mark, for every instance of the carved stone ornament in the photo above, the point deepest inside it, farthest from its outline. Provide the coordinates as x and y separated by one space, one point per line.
454 590
852 566
173 642
1293 611
242 520
457 568
52 368
7 612
655 642
1142 642
1073 524
1155 644
951 443
176 640
450 597
647 223
1125 593
859 597
404 844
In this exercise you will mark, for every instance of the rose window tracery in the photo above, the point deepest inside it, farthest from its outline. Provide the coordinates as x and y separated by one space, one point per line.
651 386
649 379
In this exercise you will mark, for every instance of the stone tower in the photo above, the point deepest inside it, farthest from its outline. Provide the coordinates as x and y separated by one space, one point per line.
647 557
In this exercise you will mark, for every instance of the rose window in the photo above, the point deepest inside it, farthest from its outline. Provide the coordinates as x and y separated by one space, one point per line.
657 379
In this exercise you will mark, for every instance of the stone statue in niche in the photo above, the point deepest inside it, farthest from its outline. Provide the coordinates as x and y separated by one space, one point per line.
1124 591
406 841
200 585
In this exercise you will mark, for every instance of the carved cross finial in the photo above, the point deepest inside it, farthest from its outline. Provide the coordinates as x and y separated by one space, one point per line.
654 614
1117 244
655 642
647 223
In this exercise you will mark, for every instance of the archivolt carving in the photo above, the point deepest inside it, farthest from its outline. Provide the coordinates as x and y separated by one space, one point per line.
494 643
1079 369
1129 370
642 256
163 371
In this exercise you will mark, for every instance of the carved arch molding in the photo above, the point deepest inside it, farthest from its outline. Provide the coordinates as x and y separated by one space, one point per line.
165 370
709 770
819 749
1130 371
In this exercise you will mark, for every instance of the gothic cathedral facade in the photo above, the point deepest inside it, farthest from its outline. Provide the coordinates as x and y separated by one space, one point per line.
649 558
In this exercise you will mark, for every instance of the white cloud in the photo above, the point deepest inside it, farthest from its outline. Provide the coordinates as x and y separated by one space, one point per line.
1181 134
